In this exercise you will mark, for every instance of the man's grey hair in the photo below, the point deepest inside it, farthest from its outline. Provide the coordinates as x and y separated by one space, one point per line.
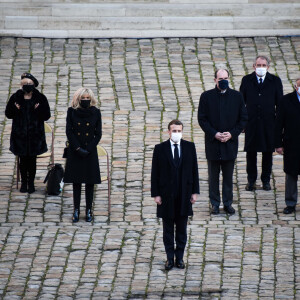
262 57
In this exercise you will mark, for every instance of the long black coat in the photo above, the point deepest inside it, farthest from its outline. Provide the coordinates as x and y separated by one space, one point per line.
28 131
83 129
287 132
219 112
163 178
261 107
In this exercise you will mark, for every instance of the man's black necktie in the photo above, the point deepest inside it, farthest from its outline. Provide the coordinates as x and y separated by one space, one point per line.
176 155
260 81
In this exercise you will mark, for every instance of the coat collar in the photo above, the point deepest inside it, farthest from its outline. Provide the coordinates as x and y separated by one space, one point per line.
20 95
254 77
228 91
168 151
295 100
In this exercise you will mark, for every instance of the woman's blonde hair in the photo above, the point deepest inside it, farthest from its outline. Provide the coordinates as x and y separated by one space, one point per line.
79 93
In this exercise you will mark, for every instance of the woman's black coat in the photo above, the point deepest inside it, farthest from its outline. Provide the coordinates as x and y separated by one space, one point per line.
28 131
287 132
219 112
83 129
261 105
164 175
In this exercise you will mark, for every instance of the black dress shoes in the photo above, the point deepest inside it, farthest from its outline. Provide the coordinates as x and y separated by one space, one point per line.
31 188
266 186
215 210
180 264
229 209
89 216
250 187
23 188
289 209
75 216
169 264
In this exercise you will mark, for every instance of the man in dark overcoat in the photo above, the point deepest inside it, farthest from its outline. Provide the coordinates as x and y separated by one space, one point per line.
222 116
174 186
287 143
262 92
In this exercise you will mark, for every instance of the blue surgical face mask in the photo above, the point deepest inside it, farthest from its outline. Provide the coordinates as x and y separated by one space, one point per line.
223 84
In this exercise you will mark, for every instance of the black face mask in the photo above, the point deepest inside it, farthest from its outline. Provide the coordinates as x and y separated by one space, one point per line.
223 84
85 103
27 88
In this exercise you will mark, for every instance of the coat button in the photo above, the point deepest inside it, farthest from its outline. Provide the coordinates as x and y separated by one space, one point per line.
87 124
78 133
86 134
259 95
78 123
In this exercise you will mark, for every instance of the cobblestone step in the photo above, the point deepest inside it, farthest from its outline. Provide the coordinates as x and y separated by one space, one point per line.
149 10
149 19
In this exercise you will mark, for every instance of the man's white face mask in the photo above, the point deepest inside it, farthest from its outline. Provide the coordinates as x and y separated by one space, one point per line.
261 71
176 137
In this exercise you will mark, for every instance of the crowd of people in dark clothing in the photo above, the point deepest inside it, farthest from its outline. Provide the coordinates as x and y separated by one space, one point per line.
270 121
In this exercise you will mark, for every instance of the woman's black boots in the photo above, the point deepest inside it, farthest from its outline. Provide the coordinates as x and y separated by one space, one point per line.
89 195
75 215
76 198
27 170
31 174
24 176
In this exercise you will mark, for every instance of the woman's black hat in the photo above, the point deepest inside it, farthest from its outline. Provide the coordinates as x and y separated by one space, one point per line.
30 76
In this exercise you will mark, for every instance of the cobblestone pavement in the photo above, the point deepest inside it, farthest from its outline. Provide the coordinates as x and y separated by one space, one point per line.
141 85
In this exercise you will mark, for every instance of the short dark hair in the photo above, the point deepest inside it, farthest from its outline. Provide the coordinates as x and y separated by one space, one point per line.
219 70
175 122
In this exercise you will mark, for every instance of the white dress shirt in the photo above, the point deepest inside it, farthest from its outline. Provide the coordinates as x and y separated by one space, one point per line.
263 78
173 147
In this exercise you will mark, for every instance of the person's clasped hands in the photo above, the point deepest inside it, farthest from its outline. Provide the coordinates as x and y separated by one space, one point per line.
223 137
18 106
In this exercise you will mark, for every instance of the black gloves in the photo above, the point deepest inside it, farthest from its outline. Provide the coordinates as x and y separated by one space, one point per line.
82 152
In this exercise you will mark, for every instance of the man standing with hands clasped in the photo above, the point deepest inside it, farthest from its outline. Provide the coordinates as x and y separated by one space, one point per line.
262 92
174 186
222 116
287 143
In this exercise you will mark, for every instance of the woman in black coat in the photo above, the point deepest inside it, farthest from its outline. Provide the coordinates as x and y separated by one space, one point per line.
84 131
29 109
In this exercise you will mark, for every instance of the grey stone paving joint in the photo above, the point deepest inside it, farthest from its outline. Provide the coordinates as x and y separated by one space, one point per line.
141 85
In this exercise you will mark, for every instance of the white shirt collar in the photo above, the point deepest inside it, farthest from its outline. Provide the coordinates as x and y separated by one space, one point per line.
263 78
172 143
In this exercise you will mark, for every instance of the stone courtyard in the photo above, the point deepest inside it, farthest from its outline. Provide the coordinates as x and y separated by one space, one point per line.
141 84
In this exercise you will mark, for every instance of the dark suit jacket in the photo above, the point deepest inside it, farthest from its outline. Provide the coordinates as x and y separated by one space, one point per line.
261 107
287 132
219 113
163 178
